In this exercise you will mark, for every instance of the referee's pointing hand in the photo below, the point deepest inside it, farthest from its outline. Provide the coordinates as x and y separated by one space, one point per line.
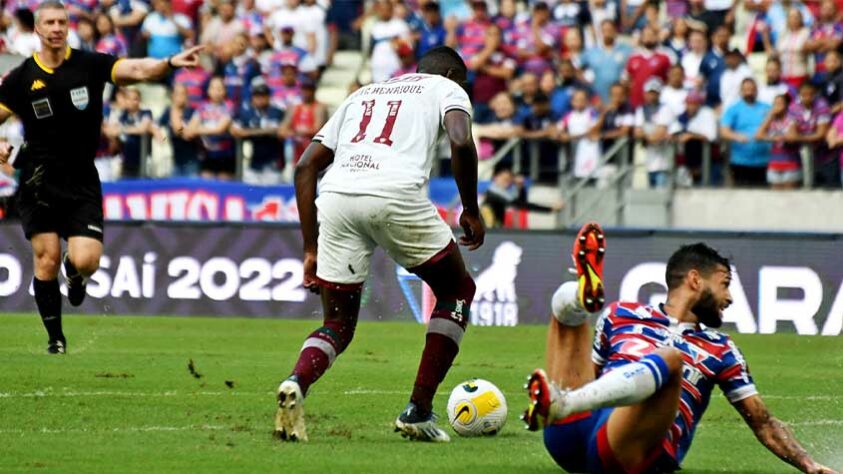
188 57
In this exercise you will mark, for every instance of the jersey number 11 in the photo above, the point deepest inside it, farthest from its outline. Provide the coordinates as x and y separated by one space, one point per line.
386 132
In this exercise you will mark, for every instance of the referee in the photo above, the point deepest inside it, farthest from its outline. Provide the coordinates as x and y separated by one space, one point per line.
57 93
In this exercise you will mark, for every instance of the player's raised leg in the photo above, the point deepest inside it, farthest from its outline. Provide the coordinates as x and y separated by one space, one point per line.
80 261
454 289
46 252
569 337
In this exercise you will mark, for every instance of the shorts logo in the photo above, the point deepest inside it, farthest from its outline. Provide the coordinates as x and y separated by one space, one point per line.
95 229
42 108
38 84
79 97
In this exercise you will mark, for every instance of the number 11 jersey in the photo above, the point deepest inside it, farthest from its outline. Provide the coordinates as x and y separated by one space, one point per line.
385 136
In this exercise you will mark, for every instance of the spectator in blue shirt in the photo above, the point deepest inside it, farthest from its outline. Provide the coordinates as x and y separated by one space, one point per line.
174 120
259 122
239 71
432 32
714 64
165 31
605 64
739 125
134 125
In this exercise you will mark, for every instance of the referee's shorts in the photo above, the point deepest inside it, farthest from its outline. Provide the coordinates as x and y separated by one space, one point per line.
45 209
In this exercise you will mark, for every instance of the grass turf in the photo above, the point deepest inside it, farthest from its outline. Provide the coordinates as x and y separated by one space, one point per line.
124 399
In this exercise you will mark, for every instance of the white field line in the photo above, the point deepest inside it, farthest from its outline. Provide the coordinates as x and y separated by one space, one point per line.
127 429
49 392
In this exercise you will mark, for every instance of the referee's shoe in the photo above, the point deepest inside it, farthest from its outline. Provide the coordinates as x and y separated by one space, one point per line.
76 283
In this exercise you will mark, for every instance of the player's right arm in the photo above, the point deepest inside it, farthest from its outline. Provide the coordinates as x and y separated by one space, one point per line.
316 158
777 436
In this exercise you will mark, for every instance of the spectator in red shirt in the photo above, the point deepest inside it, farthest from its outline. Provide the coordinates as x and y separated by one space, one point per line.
645 63
408 60
493 69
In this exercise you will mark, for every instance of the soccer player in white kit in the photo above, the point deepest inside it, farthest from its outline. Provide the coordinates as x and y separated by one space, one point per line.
380 145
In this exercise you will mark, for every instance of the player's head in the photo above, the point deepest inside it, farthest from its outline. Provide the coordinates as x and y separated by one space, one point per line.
444 61
703 275
51 24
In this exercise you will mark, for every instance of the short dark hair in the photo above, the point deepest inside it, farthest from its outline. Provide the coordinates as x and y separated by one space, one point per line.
26 18
808 85
501 167
699 257
439 60
774 59
48 5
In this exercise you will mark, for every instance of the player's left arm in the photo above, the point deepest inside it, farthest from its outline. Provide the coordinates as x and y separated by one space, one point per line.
777 436
130 71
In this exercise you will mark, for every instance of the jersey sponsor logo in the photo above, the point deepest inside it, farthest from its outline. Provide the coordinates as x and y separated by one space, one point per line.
37 84
42 108
79 97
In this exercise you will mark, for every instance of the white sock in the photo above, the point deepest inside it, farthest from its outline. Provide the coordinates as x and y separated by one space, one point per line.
627 385
566 307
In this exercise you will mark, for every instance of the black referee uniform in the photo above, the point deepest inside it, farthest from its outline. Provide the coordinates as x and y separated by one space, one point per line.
61 111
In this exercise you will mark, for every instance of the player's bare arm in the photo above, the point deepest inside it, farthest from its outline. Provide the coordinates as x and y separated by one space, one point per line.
464 164
316 158
130 71
777 436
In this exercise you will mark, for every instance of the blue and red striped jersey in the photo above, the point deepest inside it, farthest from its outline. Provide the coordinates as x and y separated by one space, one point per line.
625 332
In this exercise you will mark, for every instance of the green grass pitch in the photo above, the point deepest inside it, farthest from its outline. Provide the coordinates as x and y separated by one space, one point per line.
124 400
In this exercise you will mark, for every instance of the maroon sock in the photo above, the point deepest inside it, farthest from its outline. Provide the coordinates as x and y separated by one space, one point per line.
439 353
320 350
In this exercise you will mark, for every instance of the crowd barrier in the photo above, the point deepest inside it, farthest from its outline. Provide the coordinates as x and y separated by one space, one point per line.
781 283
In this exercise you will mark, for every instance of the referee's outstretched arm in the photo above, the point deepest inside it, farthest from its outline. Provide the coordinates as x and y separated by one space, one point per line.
129 71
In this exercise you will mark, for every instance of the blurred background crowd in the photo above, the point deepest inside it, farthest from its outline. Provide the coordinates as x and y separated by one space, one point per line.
688 92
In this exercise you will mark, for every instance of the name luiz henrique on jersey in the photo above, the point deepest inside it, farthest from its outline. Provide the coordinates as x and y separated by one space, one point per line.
385 136
61 108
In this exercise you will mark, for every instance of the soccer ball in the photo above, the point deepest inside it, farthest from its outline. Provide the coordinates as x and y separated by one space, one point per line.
477 408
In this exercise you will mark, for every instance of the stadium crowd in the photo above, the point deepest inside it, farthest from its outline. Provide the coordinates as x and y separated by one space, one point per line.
750 91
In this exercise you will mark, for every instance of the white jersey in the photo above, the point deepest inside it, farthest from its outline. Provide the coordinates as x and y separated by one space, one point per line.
385 135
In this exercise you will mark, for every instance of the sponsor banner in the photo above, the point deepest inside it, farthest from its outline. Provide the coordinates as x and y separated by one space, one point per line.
217 201
785 283
198 200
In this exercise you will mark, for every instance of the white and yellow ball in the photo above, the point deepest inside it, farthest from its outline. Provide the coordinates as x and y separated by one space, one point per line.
477 408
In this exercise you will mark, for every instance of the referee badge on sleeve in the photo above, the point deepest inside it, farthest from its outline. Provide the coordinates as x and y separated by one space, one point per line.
79 97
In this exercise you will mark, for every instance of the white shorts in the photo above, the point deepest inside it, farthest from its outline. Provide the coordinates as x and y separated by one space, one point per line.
350 227
784 177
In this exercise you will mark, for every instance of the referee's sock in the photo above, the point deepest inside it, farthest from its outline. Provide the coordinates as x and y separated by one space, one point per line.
48 300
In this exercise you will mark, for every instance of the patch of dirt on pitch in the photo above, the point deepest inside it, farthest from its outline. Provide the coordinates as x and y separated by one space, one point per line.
341 431
191 367
114 375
